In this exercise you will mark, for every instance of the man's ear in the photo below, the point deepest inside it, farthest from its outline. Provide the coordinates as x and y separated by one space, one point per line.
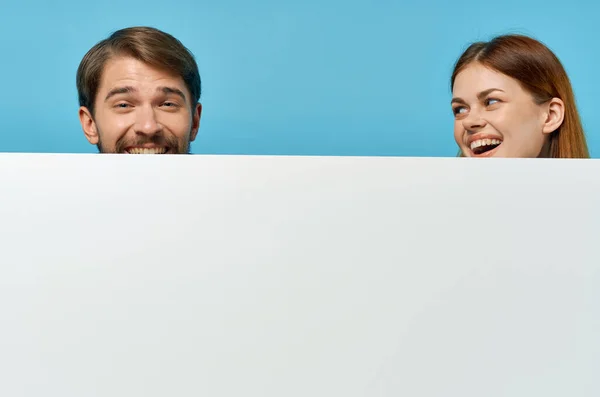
196 121
555 115
89 126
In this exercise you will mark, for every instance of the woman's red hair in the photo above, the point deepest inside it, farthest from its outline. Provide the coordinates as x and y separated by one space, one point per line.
541 74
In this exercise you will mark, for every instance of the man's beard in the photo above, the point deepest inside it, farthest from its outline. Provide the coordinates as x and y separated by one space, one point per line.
175 146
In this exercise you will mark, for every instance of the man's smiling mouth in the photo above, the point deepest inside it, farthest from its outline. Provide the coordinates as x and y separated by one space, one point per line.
141 150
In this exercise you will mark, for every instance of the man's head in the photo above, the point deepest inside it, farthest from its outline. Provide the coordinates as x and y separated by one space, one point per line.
138 93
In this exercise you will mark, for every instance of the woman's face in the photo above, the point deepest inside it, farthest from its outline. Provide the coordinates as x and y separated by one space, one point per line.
496 117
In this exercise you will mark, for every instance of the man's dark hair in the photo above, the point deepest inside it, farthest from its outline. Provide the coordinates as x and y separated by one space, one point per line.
146 44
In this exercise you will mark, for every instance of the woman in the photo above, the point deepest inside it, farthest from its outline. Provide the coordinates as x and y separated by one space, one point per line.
513 98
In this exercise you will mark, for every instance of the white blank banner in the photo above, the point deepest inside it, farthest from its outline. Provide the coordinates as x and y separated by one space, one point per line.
144 276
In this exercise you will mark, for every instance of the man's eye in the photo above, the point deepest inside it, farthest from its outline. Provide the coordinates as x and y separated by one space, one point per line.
122 105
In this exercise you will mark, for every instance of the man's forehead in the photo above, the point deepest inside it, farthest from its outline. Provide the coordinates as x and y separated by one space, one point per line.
130 72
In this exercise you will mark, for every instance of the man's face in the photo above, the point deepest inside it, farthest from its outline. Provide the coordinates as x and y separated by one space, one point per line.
141 110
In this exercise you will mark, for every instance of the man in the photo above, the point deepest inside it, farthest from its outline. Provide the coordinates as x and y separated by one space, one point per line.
138 93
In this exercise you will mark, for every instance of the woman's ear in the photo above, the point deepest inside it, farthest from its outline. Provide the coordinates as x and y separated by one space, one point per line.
554 116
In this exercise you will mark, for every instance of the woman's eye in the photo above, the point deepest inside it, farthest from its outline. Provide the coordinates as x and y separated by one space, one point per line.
459 110
491 101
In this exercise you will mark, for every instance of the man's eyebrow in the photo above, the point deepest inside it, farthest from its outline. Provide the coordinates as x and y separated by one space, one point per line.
172 90
119 90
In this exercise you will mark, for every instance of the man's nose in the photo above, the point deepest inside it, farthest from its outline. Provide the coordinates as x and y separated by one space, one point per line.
146 122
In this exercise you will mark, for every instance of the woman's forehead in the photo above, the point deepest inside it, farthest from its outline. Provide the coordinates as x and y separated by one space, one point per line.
476 78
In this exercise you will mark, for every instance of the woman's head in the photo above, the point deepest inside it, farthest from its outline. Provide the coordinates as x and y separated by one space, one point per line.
513 98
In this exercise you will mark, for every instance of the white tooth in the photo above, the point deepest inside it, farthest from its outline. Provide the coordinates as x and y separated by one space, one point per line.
158 150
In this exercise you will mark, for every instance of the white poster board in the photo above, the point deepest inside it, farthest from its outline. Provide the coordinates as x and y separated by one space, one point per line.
298 276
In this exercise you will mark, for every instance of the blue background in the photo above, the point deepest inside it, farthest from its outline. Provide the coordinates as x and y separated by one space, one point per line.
314 77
